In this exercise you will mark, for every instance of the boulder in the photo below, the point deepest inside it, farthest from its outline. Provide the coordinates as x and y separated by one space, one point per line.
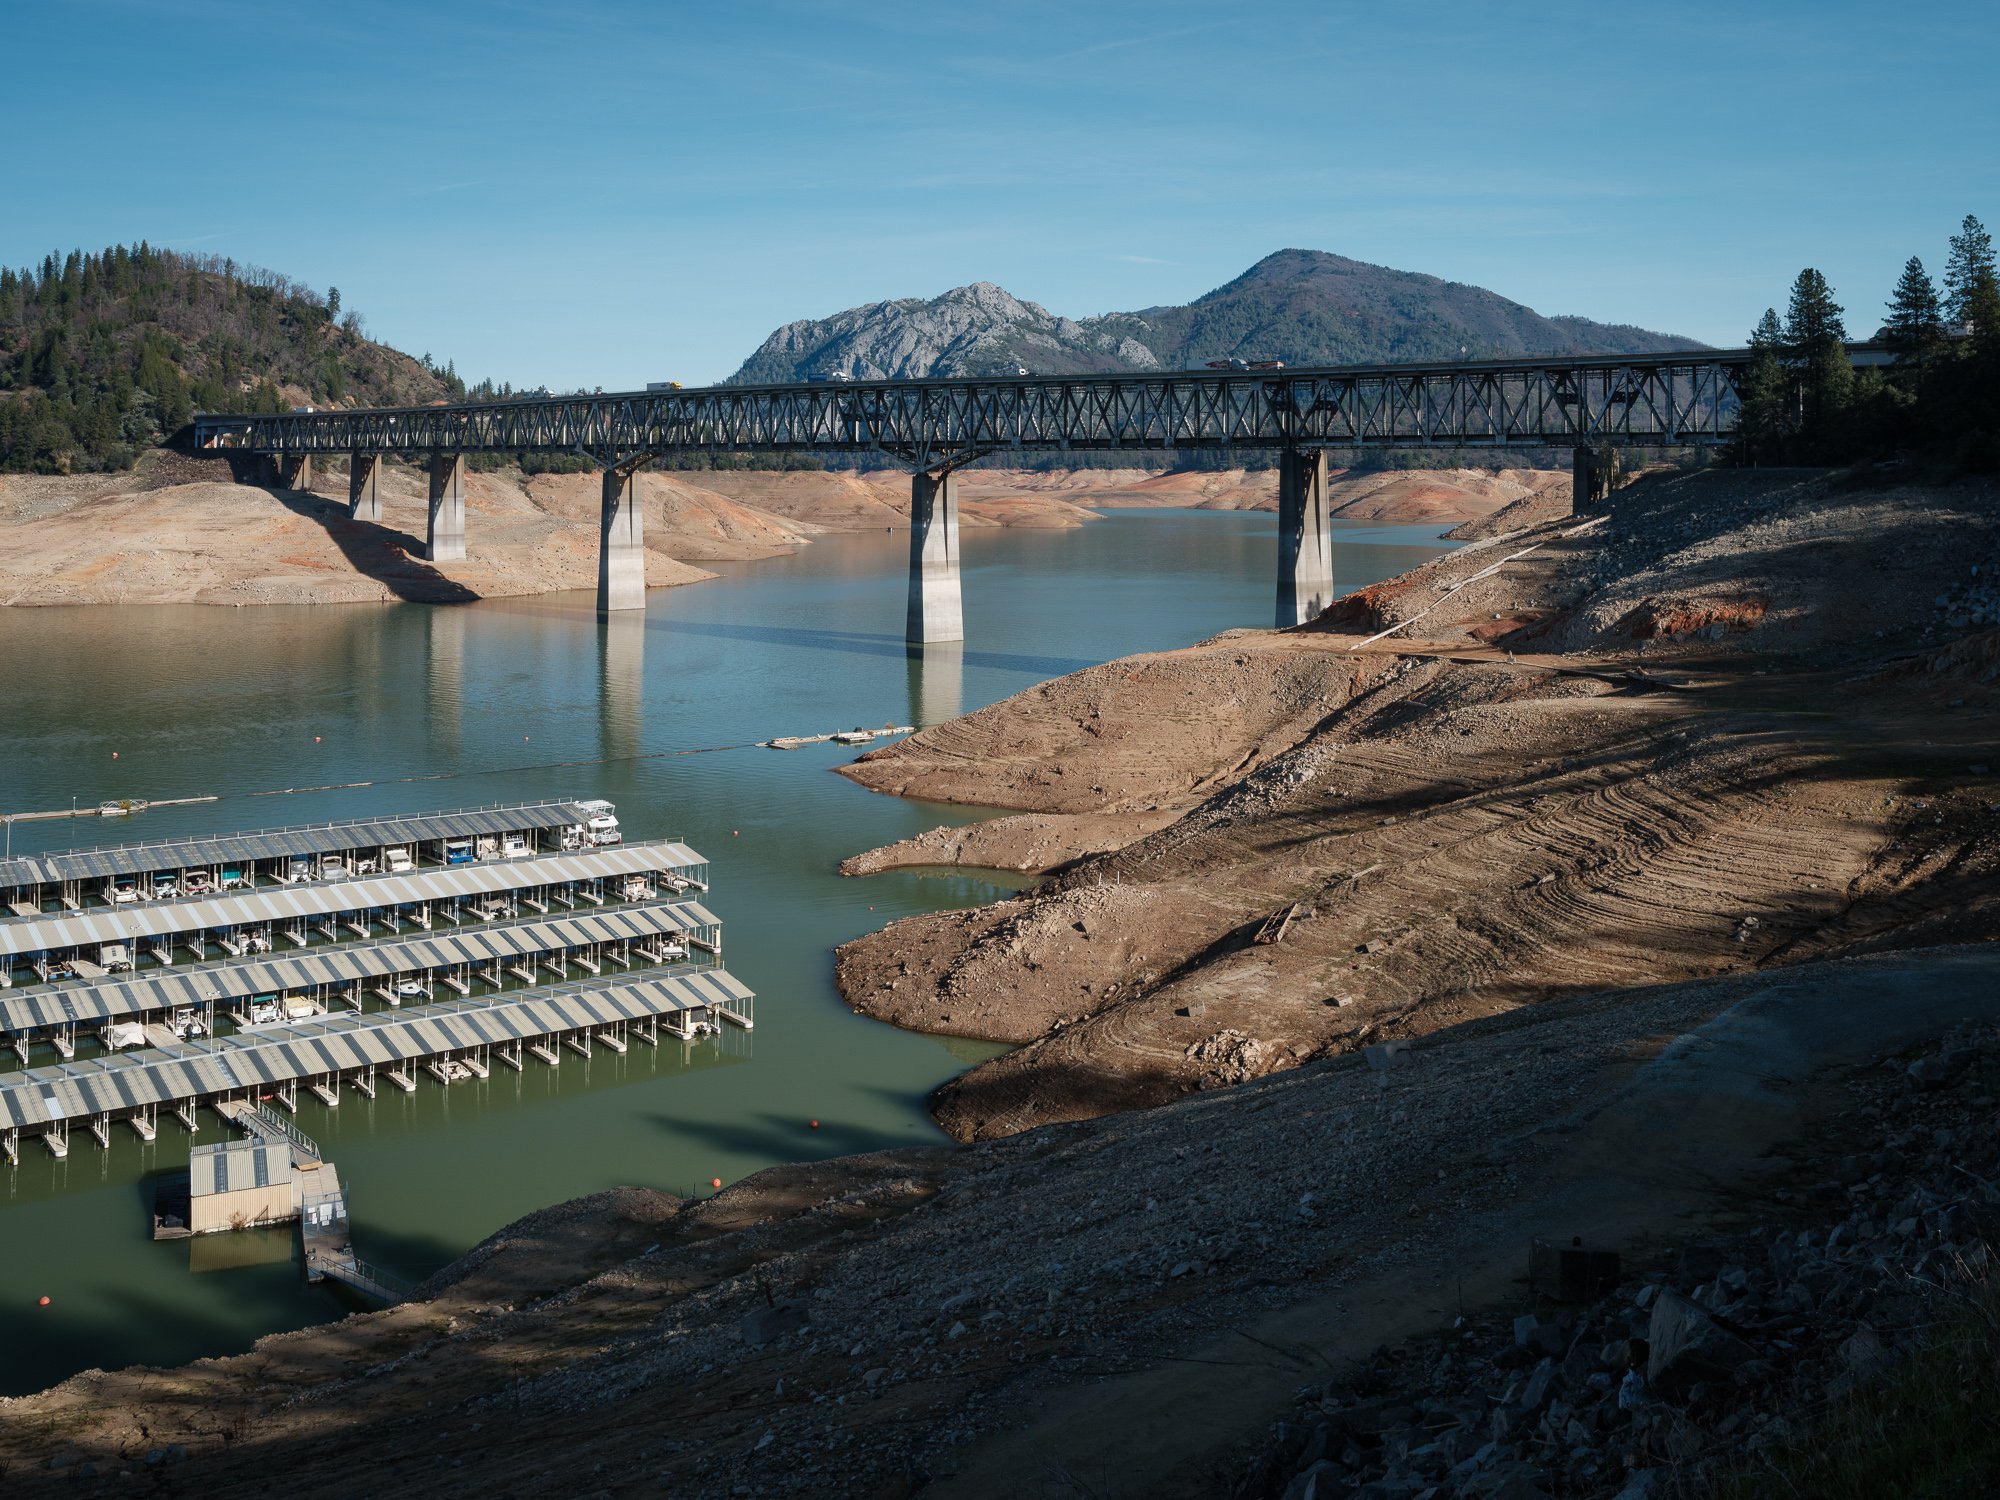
1687 1346
764 1325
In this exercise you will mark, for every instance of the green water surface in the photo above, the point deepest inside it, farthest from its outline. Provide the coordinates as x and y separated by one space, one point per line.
508 700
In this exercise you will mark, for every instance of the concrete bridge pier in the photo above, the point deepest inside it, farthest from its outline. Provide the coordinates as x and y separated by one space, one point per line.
1305 537
621 542
936 613
446 540
295 470
364 493
1591 475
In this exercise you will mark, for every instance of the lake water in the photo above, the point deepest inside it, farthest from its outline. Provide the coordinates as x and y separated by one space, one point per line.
531 699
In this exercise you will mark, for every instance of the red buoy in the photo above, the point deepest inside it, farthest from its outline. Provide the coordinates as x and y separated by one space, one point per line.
715 1182
44 1302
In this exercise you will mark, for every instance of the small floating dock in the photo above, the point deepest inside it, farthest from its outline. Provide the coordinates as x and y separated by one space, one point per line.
275 1174
839 737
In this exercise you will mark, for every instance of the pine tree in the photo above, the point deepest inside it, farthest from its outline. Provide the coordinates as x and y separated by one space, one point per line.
1760 426
1916 319
1815 348
1969 271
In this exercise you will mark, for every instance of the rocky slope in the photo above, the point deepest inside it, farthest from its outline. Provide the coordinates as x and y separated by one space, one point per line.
1114 1308
1597 754
1302 306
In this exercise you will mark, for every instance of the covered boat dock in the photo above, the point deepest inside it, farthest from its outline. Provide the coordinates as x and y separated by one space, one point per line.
452 1039
52 948
79 879
499 956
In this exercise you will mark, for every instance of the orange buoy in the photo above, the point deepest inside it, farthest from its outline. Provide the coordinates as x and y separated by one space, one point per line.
315 739
715 1182
114 755
43 1303
815 1124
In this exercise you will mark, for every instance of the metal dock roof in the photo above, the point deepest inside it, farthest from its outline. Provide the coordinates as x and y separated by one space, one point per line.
258 1060
275 843
127 924
238 979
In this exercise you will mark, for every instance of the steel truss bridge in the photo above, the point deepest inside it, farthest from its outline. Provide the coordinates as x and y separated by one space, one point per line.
1591 404
1661 400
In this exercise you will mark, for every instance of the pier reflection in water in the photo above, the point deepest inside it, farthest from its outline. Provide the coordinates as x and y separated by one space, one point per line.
621 682
937 682
526 699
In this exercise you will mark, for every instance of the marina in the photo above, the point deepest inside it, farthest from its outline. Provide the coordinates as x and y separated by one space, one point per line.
234 1033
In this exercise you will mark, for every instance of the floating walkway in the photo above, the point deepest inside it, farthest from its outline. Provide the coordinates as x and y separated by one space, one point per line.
318 1202
357 1050
488 954
838 736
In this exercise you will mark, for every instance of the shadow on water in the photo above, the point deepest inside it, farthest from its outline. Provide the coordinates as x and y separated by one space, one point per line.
393 559
779 1137
862 644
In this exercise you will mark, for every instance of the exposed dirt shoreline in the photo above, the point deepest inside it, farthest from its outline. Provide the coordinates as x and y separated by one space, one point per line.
1116 1307
1598 756
1622 872
182 530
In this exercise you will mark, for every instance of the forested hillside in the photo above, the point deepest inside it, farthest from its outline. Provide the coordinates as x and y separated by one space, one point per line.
104 353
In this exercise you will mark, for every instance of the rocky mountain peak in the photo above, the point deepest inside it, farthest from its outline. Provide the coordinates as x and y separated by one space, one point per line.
1305 307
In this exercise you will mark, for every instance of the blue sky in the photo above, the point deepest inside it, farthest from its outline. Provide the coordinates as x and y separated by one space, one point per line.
605 193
